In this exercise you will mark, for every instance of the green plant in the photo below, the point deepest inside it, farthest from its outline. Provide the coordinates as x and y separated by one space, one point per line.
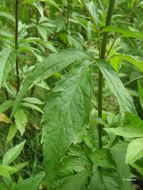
71 92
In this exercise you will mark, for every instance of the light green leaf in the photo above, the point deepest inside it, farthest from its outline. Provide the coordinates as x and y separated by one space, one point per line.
7 15
92 11
32 106
20 121
125 33
31 183
132 127
20 166
11 133
66 111
13 153
33 100
51 65
7 59
5 171
137 61
116 86
134 150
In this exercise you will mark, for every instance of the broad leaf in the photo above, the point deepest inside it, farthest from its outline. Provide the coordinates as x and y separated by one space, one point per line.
77 181
118 154
51 65
124 99
102 158
7 59
134 150
13 153
67 110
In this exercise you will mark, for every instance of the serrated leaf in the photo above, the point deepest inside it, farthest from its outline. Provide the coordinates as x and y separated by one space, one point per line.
118 154
12 154
51 65
102 158
20 121
7 59
77 181
134 150
116 86
66 111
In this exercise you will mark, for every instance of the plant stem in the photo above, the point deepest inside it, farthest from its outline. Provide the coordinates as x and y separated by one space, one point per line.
100 76
16 43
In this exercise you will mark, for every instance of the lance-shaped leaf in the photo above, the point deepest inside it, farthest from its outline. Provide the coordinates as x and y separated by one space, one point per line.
66 111
116 86
125 33
51 65
92 11
13 153
7 59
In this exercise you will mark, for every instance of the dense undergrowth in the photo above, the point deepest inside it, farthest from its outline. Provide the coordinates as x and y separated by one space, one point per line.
71 95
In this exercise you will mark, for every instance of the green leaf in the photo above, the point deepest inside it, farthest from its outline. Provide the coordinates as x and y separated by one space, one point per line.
134 150
140 93
116 86
132 127
20 166
96 181
77 181
20 121
92 10
31 183
118 154
102 158
5 171
11 133
8 16
125 33
6 105
7 59
33 100
137 61
13 153
51 65
66 111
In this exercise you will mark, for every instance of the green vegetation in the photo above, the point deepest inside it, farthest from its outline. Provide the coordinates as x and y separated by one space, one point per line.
71 95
